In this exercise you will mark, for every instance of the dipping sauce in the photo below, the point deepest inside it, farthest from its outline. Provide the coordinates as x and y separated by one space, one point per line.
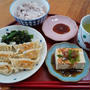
61 28
66 72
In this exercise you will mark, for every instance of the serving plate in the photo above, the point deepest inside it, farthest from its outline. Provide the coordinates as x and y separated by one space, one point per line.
57 75
16 77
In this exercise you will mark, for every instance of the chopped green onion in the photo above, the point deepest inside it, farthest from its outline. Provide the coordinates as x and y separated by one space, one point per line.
60 56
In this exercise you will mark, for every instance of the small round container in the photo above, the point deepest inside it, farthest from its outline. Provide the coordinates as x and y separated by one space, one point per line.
53 21
31 22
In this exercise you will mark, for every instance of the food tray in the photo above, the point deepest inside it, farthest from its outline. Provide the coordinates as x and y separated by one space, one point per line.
43 79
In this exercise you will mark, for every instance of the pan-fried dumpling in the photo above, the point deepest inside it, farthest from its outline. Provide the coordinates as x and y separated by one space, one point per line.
3 59
5 68
15 58
5 55
26 46
5 47
31 54
23 63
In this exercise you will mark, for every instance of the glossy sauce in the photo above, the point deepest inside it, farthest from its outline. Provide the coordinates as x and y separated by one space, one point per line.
61 28
66 72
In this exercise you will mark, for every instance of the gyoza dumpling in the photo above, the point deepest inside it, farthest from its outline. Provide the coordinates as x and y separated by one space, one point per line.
3 59
31 54
26 46
5 55
5 68
5 47
23 63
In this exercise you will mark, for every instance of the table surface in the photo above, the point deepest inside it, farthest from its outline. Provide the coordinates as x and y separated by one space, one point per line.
75 9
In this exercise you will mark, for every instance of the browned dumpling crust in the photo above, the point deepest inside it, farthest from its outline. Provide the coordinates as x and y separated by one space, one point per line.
15 58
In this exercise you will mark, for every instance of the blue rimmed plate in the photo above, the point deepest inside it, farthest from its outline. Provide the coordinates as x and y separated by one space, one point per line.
60 77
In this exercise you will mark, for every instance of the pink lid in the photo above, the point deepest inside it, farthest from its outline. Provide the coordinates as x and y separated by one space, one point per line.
59 19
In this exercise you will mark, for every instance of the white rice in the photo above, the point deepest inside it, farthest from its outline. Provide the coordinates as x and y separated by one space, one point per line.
29 10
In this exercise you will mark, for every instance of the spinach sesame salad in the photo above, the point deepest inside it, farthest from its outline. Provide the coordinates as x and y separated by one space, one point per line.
18 37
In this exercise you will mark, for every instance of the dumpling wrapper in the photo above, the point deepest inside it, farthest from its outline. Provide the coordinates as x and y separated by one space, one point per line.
26 46
31 54
3 59
5 68
5 47
23 63
5 55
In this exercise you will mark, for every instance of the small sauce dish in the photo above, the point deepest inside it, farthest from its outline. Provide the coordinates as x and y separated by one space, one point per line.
60 28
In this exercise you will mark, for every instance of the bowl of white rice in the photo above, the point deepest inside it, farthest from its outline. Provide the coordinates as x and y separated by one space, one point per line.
29 12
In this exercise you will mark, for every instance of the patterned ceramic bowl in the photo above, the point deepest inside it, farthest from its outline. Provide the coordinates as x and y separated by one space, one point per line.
31 22
83 35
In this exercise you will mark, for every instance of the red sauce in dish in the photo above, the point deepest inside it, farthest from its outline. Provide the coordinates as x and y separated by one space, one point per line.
61 28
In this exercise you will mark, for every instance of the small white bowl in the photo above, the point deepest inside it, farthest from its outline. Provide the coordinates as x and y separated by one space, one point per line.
32 22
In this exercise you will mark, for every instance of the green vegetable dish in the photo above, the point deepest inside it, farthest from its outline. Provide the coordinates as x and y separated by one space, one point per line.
18 37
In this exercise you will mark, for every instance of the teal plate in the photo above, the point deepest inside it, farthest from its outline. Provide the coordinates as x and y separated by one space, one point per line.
60 77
